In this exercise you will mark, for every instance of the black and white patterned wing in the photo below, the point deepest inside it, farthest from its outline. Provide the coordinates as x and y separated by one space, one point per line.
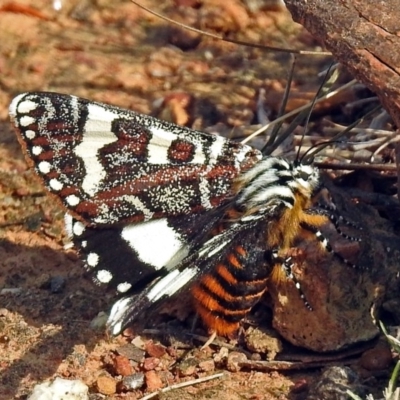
249 233
127 257
109 165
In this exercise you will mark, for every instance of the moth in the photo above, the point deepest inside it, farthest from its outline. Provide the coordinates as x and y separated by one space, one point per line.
154 207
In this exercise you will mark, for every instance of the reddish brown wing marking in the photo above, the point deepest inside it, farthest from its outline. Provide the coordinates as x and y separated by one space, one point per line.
110 165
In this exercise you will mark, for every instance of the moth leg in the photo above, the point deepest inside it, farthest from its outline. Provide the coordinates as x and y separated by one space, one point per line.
212 335
209 340
329 211
325 243
287 264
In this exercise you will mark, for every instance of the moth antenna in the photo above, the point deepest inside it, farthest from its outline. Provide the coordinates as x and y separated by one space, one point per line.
303 114
320 146
296 111
269 146
238 42
327 82
309 155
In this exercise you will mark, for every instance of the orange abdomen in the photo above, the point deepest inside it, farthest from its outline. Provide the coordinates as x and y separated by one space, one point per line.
224 296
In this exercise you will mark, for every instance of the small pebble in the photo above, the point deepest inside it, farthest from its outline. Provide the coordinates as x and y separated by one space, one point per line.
151 363
207 365
335 383
3 312
43 281
153 381
122 366
234 360
106 385
134 381
131 352
187 367
263 341
155 350
221 355
60 389
138 342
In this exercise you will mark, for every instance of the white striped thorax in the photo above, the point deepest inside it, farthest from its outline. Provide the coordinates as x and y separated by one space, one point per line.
275 180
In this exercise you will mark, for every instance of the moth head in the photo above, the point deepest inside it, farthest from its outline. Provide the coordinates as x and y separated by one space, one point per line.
306 176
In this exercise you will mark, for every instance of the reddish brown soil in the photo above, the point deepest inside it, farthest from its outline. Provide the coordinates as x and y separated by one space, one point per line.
114 52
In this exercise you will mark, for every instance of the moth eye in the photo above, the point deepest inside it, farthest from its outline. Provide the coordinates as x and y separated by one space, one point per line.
304 175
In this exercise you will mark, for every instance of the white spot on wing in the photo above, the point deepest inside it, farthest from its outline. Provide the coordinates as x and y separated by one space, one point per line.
26 106
44 167
198 157
30 134
215 150
97 134
161 142
92 260
78 228
204 189
14 104
26 121
36 150
72 200
123 287
104 276
156 243
55 185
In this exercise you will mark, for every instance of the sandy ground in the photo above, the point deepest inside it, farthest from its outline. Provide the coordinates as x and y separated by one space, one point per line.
121 55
